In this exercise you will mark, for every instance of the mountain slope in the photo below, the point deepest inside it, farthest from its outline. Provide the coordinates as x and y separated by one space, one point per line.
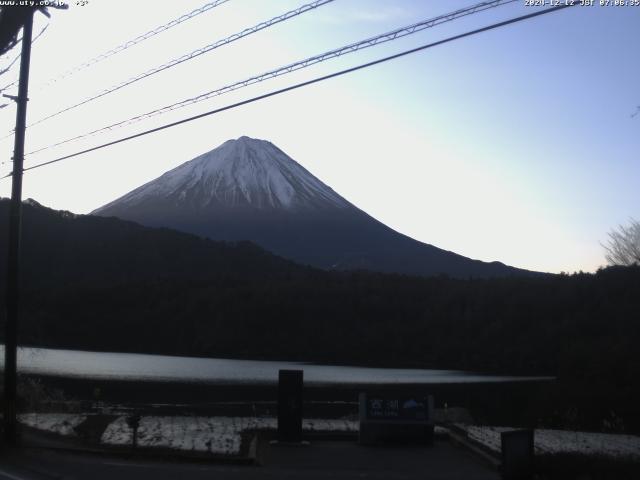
64 250
248 189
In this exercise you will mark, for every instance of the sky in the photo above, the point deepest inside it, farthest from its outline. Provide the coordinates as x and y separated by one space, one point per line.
516 145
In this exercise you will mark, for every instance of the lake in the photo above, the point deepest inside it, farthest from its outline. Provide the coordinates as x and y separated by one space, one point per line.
162 368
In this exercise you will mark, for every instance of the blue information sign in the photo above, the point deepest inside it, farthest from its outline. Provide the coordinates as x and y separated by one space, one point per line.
397 408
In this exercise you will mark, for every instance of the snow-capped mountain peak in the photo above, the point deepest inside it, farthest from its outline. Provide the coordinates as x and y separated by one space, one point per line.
248 189
245 172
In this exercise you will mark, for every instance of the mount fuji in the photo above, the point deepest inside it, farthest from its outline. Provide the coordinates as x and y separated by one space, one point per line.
248 189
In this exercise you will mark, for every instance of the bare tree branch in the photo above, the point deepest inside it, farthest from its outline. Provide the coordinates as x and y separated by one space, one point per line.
623 246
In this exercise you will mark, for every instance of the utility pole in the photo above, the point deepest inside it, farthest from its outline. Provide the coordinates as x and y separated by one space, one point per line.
15 225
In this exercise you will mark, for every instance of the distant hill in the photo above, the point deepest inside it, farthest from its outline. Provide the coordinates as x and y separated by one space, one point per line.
60 248
248 189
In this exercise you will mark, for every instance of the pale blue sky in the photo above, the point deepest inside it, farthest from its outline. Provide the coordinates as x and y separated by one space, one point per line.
514 145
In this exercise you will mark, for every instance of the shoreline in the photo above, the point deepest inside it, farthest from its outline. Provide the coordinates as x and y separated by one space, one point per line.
494 402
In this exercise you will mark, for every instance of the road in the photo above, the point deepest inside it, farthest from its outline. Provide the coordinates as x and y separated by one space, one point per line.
338 460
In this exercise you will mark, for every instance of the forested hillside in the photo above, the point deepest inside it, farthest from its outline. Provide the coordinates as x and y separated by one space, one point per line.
105 284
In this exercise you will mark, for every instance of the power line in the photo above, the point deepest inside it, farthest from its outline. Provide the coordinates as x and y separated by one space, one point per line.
189 56
8 67
126 45
7 54
304 84
20 53
353 47
139 39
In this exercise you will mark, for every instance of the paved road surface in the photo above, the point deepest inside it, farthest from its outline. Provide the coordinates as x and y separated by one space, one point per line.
323 459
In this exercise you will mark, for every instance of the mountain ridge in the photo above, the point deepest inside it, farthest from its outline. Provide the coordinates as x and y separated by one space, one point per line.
248 189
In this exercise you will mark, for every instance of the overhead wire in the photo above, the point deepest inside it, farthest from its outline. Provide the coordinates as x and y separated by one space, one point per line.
124 46
8 67
139 39
350 48
190 56
305 83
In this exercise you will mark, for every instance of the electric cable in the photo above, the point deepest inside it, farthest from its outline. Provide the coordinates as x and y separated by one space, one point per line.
140 38
190 56
353 47
305 83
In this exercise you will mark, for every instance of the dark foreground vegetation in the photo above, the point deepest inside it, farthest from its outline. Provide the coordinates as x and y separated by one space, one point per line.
104 284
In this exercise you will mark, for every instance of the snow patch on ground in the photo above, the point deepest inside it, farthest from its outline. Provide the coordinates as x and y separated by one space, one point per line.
563 442
217 435
60 423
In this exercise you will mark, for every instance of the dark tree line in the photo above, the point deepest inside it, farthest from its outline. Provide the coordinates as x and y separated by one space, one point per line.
104 284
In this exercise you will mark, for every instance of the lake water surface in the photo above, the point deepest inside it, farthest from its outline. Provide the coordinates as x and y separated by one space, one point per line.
142 367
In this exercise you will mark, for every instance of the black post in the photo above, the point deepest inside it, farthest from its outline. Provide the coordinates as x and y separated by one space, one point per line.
290 386
13 261
517 454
